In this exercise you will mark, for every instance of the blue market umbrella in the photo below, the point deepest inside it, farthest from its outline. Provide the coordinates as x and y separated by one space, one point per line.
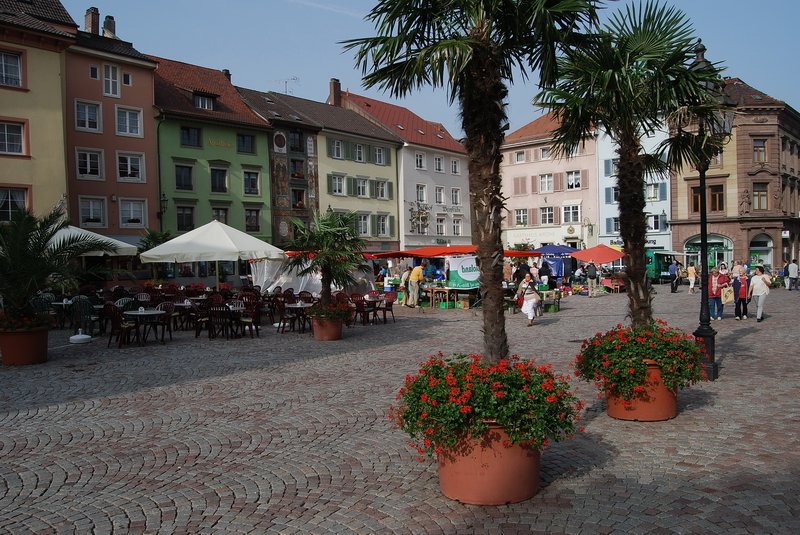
555 250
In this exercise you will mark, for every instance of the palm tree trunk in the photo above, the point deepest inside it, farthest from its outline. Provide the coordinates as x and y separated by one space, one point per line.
633 230
482 99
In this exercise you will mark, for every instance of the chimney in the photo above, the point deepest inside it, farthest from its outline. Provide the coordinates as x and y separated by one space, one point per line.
91 21
227 74
110 27
335 97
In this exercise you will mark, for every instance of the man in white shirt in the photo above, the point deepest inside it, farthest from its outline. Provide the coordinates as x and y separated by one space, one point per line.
793 268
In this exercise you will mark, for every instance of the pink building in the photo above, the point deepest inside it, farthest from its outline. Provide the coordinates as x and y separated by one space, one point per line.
110 134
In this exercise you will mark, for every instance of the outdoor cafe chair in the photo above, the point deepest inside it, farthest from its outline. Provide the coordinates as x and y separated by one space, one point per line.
251 318
387 305
165 321
363 308
126 303
285 317
83 316
306 296
120 327
219 324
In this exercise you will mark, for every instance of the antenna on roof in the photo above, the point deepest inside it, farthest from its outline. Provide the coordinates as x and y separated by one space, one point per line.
285 82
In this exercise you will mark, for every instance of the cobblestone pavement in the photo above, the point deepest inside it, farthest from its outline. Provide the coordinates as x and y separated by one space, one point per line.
282 434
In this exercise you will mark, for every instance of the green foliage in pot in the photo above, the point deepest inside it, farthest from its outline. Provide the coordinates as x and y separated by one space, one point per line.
617 360
32 259
459 396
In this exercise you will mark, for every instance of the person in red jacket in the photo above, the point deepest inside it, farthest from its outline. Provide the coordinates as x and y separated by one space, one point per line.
741 284
716 282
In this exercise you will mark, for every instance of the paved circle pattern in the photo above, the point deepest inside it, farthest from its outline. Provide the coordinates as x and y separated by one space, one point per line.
283 434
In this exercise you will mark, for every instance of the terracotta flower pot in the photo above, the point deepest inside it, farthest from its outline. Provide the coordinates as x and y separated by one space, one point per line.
489 470
655 404
325 329
21 347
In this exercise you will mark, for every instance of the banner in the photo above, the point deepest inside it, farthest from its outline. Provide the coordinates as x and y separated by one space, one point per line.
464 272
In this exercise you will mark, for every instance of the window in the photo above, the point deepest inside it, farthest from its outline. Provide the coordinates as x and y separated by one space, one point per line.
296 168
651 192
185 218
696 200
572 214
610 167
127 79
131 213
573 180
93 211
338 153
11 138
94 72
438 164
455 196
615 194
383 225
759 150
546 215
130 167
183 178
521 216
11 200
190 137
363 225
455 167
129 122
203 102
381 189
295 142
717 199
615 224
545 153
219 181
220 214
110 81
519 156
440 226
546 183
359 152
760 190
252 220
654 222
380 157
90 164
456 227
87 116
419 159
10 69
298 199
362 187
251 182
337 185
246 143
422 193
439 194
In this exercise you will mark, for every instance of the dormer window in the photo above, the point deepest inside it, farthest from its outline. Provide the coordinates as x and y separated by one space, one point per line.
203 102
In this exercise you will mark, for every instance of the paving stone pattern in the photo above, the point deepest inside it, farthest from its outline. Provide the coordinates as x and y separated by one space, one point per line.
283 434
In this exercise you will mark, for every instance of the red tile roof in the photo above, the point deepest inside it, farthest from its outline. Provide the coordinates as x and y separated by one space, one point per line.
744 95
176 83
406 124
540 128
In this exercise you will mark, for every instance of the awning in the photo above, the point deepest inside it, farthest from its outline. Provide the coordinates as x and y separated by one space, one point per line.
440 251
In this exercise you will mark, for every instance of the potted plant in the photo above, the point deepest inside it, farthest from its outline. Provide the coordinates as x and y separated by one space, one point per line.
640 369
330 246
485 422
33 258
329 319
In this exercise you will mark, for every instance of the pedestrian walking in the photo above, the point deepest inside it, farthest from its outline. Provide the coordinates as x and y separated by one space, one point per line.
591 277
415 278
741 285
691 274
404 285
530 296
759 290
673 276
716 282
793 271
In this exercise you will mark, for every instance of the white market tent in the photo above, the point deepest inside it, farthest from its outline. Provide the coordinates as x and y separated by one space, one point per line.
122 248
213 241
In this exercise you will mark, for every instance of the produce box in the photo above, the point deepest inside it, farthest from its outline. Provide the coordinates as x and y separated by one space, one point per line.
448 304
463 304
399 295
543 287
551 307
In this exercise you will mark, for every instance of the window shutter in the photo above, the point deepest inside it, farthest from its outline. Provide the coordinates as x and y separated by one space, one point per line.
663 221
533 218
609 225
528 155
390 190
534 184
519 185
372 189
330 184
387 155
510 219
584 178
373 225
351 186
557 216
522 189
607 169
536 154
609 195
390 225
558 182
662 191
330 148
510 158
369 155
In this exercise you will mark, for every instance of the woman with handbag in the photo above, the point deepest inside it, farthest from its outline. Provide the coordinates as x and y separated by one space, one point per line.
741 284
759 288
529 297
716 282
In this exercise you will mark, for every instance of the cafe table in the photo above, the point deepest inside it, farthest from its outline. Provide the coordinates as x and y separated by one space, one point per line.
144 318
300 307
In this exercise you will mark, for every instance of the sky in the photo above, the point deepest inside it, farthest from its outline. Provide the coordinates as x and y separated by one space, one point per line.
293 46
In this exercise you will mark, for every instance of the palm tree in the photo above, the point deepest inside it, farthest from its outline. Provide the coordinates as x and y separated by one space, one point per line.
473 48
330 246
31 258
153 238
636 77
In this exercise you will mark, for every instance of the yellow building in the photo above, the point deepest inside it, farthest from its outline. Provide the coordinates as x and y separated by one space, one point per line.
33 172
